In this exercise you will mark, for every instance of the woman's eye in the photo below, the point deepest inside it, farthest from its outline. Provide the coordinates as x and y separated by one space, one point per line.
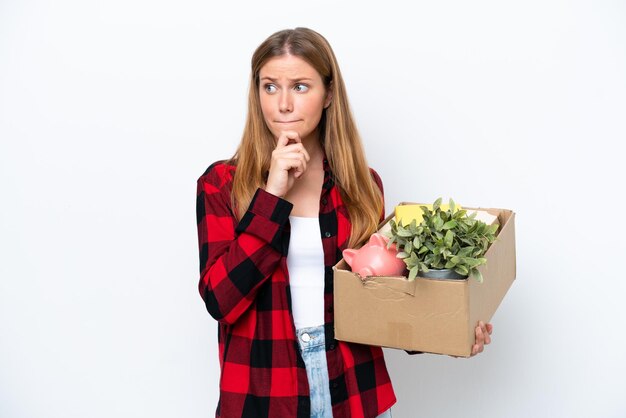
301 88
270 88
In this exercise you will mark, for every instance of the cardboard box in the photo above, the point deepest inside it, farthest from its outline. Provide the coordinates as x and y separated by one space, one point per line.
430 315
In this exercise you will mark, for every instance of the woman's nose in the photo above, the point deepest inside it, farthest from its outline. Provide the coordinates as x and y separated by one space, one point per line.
285 104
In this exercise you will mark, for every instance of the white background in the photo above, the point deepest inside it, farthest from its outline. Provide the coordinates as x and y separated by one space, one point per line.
110 111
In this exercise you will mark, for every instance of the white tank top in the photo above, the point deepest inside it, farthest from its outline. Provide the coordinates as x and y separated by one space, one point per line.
305 263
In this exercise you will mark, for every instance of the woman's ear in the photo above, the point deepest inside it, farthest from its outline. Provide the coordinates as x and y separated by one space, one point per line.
329 95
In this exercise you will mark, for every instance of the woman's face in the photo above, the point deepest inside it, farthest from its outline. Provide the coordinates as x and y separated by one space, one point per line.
293 96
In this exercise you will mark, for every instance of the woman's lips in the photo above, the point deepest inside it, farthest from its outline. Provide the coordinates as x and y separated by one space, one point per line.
287 121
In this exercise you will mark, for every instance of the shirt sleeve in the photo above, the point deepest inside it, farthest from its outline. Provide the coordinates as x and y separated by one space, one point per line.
236 258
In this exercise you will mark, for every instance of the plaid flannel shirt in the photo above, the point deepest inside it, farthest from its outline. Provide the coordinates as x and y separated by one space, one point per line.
245 285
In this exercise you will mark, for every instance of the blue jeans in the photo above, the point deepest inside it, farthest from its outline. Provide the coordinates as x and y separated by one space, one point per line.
313 349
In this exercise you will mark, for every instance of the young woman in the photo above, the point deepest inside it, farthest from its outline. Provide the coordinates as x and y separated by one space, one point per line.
272 221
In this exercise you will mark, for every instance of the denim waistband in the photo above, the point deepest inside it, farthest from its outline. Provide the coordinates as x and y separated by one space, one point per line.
310 337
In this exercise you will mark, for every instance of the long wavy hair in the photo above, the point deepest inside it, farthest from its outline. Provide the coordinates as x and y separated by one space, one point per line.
338 135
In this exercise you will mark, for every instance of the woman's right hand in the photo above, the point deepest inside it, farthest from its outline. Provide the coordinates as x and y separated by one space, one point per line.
289 160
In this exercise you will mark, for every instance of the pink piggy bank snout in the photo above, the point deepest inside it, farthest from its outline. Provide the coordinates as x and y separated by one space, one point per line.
374 259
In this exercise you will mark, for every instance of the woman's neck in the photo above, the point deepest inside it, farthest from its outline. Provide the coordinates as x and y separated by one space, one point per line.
313 147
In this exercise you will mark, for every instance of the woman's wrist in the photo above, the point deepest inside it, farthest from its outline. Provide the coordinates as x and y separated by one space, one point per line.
273 192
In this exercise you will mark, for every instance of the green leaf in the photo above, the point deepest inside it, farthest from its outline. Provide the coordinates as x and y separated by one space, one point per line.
466 241
449 225
462 270
471 262
408 248
413 273
404 233
402 254
448 238
423 249
460 214
437 204
452 205
477 275
438 223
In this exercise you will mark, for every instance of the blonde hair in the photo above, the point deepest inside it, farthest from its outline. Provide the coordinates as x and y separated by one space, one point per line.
339 136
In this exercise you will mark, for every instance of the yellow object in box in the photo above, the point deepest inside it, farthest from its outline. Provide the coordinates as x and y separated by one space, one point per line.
406 213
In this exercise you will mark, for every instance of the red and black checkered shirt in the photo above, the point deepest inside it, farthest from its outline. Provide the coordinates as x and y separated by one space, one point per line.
245 285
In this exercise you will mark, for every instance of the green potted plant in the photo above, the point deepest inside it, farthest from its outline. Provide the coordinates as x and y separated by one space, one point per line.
449 243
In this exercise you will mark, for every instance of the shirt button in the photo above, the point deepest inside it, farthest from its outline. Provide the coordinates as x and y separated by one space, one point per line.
306 337
330 309
335 385
324 201
331 346
327 234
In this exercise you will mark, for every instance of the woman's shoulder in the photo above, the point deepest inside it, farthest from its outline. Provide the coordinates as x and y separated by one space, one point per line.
219 172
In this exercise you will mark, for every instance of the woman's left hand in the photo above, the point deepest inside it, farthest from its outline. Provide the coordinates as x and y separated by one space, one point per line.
483 337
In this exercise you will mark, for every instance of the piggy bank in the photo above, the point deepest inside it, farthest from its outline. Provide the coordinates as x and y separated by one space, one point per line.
374 259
